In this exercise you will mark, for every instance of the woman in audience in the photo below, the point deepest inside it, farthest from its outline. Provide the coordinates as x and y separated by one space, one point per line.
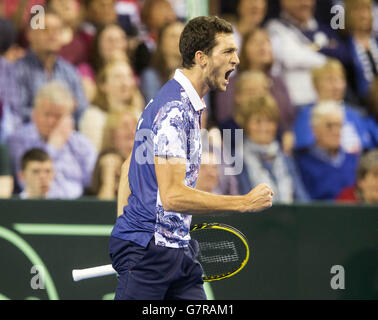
110 43
119 132
249 85
106 175
366 188
250 15
264 160
117 91
165 60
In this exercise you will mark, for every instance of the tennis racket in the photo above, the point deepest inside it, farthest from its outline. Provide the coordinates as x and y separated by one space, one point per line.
224 251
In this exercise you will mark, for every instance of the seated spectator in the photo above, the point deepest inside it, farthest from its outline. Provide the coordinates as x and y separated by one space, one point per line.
326 168
256 55
165 60
154 15
42 64
119 132
300 44
117 91
98 13
366 188
330 83
36 175
6 179
264 161
248 86
76 43
110 43
250 15
362 44
10 118
106 175
52 130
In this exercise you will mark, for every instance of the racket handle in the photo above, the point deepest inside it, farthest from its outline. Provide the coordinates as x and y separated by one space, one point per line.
100 271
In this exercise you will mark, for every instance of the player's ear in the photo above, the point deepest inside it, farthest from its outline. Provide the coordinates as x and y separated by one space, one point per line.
201 59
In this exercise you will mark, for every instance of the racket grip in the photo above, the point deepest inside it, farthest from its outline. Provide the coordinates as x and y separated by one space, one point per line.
100 271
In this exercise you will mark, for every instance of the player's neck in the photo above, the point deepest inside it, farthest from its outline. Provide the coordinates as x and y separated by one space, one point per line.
197 79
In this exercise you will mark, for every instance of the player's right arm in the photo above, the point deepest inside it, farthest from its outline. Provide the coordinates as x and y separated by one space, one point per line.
176 196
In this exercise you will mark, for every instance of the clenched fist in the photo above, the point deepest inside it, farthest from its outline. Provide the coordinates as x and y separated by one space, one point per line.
259 198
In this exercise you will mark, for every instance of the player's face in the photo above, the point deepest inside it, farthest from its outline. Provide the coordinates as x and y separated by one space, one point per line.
221 62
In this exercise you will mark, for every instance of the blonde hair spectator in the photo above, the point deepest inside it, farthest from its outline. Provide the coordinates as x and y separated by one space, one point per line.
264 105
117 91
118 77
119 132
331 66
359 13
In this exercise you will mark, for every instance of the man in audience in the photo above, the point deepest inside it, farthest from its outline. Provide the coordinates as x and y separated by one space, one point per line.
325 167
300 44
36 175
52 130
42 64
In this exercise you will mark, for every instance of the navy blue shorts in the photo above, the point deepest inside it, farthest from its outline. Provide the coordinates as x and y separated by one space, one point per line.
156 272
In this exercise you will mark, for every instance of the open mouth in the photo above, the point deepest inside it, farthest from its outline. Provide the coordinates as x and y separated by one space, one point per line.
228 74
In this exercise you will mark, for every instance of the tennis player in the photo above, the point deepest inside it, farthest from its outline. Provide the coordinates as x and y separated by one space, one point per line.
150 245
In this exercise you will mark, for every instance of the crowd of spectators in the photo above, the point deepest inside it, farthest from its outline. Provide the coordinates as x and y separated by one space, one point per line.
305 95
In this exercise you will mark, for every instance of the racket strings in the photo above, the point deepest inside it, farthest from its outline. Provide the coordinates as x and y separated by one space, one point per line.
221 252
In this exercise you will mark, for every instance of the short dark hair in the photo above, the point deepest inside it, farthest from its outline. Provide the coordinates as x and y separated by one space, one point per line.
34 154
199 35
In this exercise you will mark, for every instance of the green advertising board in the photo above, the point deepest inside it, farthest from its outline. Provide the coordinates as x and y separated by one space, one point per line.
298 252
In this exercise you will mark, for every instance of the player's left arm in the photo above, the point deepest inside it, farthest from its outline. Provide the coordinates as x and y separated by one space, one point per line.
124 187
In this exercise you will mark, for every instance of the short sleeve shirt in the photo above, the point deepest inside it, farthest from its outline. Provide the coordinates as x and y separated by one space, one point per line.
170 127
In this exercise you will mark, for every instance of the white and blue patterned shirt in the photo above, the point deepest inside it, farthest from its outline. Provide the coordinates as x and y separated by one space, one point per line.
170 127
